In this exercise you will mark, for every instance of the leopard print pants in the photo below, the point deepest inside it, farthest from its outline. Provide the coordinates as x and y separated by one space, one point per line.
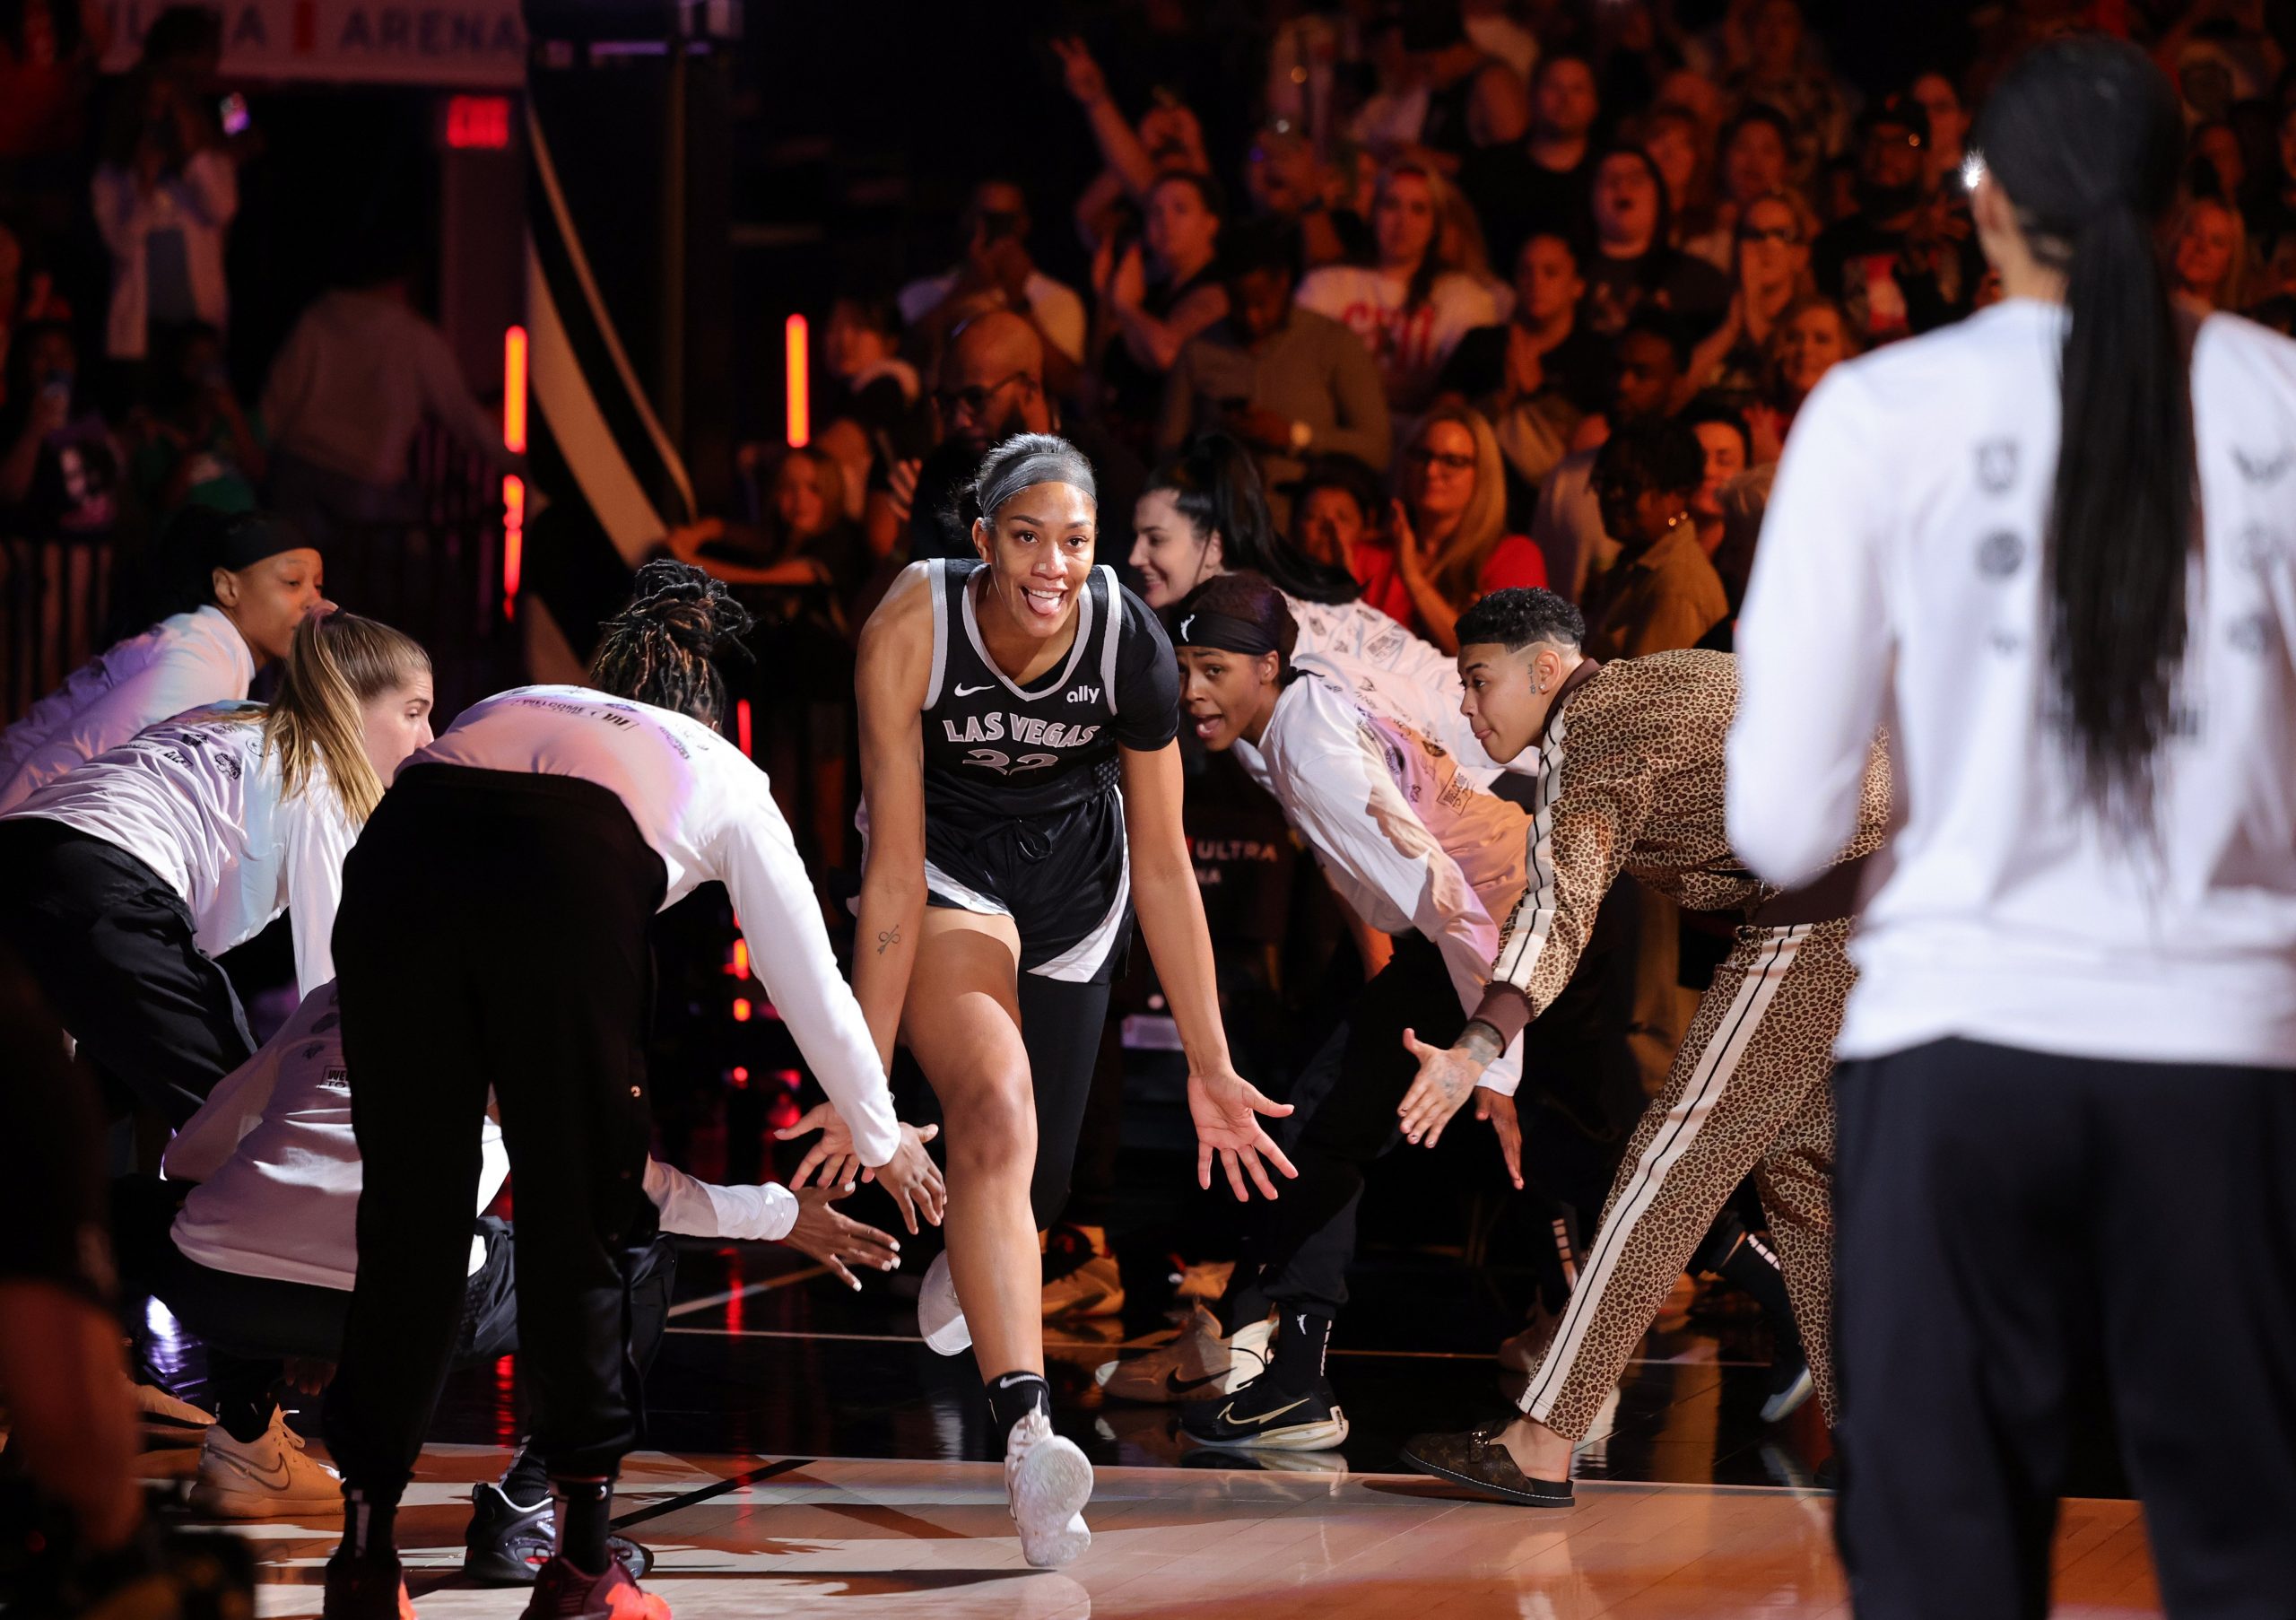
1749 1092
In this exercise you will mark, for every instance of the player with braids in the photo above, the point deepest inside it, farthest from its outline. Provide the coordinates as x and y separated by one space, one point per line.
659 648
506 884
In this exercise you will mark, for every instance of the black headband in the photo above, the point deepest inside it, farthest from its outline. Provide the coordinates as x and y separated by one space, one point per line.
248 541
1204 629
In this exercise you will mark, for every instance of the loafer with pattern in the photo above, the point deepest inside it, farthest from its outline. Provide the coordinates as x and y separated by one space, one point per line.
1478 1459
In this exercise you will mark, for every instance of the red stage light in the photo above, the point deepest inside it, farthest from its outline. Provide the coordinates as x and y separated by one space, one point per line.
801 429
514 439
741 1009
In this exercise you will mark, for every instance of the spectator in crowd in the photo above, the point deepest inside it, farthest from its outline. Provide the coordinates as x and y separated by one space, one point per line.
1646 366
1390 120
2214 165
861 351
1544 183
1812 337
48 53
1940 101
1169 141
1677 146
1495 118
1413 303
200 446
1662 594
1756 161
2269 209
992 386
1287 182
1448 543
1290 383
1155 295
60 468
1781 70
1633 265
1728 445
1334 504
1772 270
1537 376
2209 264
997 272
359 373
1906 260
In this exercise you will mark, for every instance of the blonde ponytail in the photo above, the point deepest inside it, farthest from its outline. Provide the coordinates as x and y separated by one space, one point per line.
335 664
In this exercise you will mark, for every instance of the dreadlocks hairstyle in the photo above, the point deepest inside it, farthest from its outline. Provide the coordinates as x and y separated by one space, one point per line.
2084 136
658 648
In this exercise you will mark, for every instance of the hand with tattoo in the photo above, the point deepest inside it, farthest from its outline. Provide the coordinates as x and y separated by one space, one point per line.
1446 1078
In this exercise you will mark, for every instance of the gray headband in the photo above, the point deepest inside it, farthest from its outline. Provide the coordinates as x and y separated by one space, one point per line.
1050 461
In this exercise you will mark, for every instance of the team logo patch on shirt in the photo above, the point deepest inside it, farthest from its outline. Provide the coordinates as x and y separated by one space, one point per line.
2001 554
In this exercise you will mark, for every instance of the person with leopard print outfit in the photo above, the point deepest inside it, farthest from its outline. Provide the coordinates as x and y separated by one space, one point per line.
1632 780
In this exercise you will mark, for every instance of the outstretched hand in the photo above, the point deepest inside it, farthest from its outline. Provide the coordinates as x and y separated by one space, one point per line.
833 1156
1507 1127
1226 1108
1446 1074
835 1239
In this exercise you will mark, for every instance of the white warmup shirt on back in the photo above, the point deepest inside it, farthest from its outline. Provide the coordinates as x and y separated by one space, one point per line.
707 811
1899 580
187 661
279 1172
198 800
1368 646
1405 838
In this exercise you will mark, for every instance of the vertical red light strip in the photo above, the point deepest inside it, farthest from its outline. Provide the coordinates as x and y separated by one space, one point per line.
801 427
742 725
514 488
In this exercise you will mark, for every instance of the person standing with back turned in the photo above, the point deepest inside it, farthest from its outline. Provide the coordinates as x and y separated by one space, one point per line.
2053 542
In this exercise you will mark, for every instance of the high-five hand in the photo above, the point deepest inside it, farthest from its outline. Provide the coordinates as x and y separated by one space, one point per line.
1226 1108
833 1154
1446 1074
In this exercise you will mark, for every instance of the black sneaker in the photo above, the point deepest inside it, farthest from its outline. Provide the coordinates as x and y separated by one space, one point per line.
1263 1415
507 1543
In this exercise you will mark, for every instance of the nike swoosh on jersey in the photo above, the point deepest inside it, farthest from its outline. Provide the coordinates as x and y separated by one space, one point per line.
963 690
1177 1385
1261 1419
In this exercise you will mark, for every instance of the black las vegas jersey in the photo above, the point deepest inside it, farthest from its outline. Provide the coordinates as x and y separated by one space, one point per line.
994 749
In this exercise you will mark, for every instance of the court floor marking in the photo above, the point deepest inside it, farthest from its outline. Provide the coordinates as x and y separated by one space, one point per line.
729 1296
715 1488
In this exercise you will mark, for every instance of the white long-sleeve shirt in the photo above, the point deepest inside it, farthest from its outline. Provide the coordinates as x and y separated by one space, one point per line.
184 662
1417 683
1404 836
357 378
198 800
279 1171
1899 577
707 811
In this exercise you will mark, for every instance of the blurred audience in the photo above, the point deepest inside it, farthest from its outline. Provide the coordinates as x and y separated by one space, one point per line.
1287 381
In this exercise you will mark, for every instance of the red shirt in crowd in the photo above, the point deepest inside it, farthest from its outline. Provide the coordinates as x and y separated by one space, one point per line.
1513 562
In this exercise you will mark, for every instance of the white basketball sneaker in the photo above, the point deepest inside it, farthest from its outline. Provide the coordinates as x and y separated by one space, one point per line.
1048 1481
1197 1364
267 1477
939 1318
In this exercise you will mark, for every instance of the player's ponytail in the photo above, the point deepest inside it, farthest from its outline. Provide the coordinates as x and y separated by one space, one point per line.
659 648
337 664
2084 139
1215 483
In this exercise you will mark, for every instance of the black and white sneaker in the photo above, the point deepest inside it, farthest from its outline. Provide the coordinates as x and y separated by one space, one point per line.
507 1542
1264 1415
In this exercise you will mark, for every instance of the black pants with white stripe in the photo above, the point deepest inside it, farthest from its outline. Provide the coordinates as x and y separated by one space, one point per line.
2011 1225
493 933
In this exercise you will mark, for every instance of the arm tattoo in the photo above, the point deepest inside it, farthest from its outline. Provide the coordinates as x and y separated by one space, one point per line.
1481 1042
890 936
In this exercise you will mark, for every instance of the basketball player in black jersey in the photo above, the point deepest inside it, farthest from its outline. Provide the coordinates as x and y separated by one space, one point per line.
1023 791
